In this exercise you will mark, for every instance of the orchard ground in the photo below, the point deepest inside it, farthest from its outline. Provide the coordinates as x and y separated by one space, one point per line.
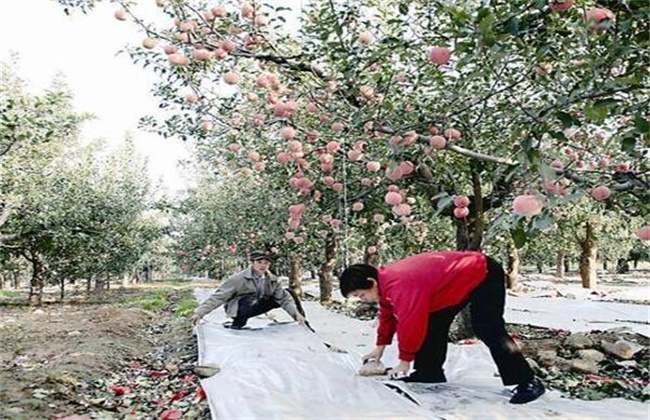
131 353
128 354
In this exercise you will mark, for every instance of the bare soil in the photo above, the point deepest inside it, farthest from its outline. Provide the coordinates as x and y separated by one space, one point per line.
89 359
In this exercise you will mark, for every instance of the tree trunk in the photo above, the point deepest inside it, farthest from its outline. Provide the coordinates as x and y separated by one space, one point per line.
371 259
327 268
512 271
588 258
469 236
295 269
100 286
62 288
15 279
559 265
37 282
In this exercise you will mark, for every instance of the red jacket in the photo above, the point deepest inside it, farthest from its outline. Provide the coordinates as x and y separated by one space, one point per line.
412 288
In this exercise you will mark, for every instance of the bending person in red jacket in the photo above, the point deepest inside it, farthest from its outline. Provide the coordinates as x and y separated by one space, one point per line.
419 297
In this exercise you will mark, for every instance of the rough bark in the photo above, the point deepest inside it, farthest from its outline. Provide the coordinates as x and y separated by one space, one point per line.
62 289
99 285
371 259
295 281
326 269
588 257
559 266
37 282
512 271
469 236
477 225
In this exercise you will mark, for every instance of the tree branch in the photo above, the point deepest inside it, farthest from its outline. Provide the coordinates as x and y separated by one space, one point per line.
486 97
457 149
631 180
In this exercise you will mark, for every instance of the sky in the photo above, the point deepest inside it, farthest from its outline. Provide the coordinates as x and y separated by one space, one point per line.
84 48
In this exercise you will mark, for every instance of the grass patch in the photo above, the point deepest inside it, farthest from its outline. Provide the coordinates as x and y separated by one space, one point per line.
11 294
179 300
152 303
186 305
174 281
149 300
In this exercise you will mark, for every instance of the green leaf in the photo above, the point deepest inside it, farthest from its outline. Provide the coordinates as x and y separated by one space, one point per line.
518 236
533 156
513 26
596 113
642 125
403 8
605 103
483 13
527 143
566 119
391 40
571 197
444 202
543 221
486 21
628 143
547 171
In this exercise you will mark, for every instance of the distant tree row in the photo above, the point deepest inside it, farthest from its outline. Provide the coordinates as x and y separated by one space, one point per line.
70 211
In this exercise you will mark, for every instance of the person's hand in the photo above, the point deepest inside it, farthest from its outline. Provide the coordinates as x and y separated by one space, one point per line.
376 354
196 319
301 319
401 370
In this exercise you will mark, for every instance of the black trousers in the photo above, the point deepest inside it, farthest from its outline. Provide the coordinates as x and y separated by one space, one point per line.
251 305
486 302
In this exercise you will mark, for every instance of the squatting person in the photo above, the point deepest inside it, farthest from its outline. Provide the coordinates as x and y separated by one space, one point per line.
251 292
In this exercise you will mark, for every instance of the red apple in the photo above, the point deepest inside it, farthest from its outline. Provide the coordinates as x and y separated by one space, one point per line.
439 55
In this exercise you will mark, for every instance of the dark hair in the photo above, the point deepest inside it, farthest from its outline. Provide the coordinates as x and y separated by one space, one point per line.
355 277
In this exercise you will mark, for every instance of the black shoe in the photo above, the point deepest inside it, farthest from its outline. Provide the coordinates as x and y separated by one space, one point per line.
234 325
527 392
238 323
